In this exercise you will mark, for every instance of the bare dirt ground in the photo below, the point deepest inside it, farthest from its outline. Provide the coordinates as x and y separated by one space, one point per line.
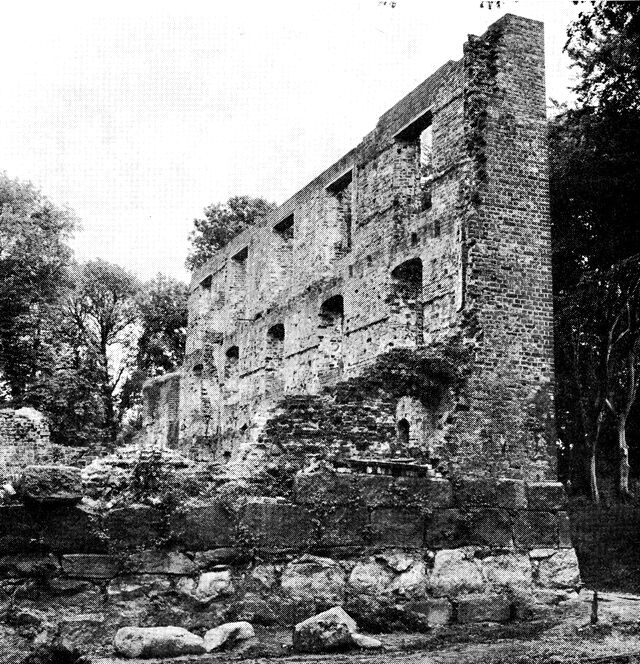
565 637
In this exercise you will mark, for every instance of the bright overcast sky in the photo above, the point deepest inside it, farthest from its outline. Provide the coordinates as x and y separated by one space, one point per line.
139 117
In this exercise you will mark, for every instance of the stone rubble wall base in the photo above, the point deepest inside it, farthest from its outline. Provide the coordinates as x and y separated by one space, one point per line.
394 552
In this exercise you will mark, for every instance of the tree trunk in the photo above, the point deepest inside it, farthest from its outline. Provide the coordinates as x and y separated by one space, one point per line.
593 477
623 450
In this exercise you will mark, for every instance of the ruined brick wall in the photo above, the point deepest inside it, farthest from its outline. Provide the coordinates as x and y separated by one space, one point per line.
24 439
388 249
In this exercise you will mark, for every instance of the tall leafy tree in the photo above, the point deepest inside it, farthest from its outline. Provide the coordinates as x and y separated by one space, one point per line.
595 206
221 223
162 320
34 256
102 311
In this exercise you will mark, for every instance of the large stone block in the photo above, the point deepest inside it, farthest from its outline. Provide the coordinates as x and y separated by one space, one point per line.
484 608
29 564
325 488
370 577
72 530
564 530
549 496
559 570
455 572
488 492
90 566
200 526
446 529
397 526
417 492
148 642
490 527
510 571
435 611
535 529
313 578
208 586
330 630
19 531
51 485
161 562
343 526
271 524
134 525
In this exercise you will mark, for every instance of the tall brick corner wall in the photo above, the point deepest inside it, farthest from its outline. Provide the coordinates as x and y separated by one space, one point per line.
508 268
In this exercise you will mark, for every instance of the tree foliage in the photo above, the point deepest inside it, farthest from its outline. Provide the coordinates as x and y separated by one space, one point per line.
221 223
595 204
101 310
604 44
162 320
33 273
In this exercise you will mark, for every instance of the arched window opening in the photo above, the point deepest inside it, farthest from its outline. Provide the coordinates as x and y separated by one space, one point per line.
276 332
275 346
403 429
198 369
330 329
233 357
406 300
332 308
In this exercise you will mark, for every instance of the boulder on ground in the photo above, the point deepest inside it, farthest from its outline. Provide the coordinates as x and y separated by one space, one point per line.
226 634
157 642
51 485
329 630
366 642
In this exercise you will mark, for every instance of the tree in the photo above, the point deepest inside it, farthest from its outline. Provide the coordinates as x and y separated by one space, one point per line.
221 223
34 258
624 358
102 310
598 325
604 44
595 200
162 319
68 389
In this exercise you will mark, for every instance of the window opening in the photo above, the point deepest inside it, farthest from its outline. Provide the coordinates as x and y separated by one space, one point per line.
285 227
403 429
233 357
342 190
241 256
407 299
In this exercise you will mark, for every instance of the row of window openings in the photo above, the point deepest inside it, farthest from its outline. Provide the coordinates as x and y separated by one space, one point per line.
420 130
408 280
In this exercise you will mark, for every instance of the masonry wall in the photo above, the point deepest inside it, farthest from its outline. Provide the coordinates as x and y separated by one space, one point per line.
395 552
24 439
380 253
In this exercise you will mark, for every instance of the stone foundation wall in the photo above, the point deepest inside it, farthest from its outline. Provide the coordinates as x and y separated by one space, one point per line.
394 552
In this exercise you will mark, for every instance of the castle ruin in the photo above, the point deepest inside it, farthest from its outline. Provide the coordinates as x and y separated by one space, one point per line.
399 307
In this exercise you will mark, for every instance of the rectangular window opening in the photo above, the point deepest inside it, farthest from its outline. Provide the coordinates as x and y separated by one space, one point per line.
241 256
285 227
342 189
